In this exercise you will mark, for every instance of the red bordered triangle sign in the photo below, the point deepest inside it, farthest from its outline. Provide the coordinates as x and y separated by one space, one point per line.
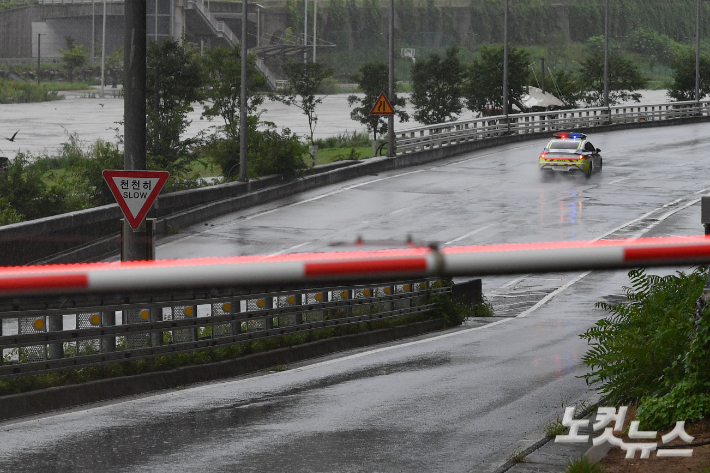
135 191
382 106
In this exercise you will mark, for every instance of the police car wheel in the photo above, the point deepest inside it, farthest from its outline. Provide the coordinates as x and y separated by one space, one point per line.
601 163
590 170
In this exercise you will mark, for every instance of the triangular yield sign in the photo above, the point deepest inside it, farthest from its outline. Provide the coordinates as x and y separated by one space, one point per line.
135 191
382 106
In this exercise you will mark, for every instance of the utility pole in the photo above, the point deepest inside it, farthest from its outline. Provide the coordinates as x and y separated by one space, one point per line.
39 36
542 83
134 110
93 30
243 149
505 63
315 30
391 144
606 55
305 33
697 53
103 50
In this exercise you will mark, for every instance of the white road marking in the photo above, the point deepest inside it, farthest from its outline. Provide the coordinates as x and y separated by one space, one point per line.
468 234
288 249
619 180
545 299
267 212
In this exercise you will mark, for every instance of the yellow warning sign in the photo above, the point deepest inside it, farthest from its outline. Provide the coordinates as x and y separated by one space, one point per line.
382 106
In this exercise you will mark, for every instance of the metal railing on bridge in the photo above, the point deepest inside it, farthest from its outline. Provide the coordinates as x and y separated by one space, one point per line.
454 133
65 333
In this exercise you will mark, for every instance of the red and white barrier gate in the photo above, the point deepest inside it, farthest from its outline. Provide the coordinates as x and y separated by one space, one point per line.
354 266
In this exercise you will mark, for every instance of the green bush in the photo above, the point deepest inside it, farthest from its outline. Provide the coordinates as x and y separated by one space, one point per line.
276 153
344 140
635 353
25 92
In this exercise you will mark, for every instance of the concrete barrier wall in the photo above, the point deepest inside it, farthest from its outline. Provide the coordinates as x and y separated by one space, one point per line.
89 235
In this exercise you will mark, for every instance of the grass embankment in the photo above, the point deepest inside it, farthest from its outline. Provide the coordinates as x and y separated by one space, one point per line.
453 313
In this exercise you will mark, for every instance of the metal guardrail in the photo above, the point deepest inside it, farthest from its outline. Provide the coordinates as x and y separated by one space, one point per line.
60 333
453 133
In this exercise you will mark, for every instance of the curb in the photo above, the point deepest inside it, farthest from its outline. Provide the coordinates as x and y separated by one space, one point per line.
540 443
40 401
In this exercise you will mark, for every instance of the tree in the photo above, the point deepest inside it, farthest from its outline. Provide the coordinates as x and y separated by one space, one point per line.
484 89
304 80
624 77
222 68
683 72
373 79
436 88
173 81
567 88
74 57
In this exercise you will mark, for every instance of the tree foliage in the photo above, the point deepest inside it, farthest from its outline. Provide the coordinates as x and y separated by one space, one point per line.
632 350
484 89
436 88
304 80
373 79
75 57
682 86
26 194
173 81
223 81
624 77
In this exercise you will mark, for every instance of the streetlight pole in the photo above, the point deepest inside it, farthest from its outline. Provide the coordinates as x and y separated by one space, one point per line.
93 30
243 149
391 150
305 32
39 36
505 62
103 50
315 31
697 53
606 54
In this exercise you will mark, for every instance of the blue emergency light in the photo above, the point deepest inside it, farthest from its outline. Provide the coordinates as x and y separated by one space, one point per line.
572 136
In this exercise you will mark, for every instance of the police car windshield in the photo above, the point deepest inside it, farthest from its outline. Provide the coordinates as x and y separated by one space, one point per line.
565 144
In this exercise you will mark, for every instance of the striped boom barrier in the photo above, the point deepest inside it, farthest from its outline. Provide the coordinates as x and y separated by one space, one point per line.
353 266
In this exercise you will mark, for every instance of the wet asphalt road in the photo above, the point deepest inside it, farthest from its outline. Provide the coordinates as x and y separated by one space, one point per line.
463 400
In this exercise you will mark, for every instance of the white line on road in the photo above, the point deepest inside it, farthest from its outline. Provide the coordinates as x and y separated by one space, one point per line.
468 234
289 249
266 212
619 180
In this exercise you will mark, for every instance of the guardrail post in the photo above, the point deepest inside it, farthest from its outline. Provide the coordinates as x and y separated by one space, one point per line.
156 336
269 319
55 323
705 213
108 343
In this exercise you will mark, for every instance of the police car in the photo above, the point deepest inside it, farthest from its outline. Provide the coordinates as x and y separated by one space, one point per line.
570 152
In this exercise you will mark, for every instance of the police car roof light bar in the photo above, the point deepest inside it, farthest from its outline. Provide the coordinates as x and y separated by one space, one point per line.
566 134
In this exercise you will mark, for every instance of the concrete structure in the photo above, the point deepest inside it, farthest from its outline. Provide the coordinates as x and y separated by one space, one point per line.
192 19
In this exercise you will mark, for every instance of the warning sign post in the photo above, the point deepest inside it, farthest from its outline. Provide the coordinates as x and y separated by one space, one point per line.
382 106
135 191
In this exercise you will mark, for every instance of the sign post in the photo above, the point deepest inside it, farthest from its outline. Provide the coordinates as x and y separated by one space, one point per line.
135 192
